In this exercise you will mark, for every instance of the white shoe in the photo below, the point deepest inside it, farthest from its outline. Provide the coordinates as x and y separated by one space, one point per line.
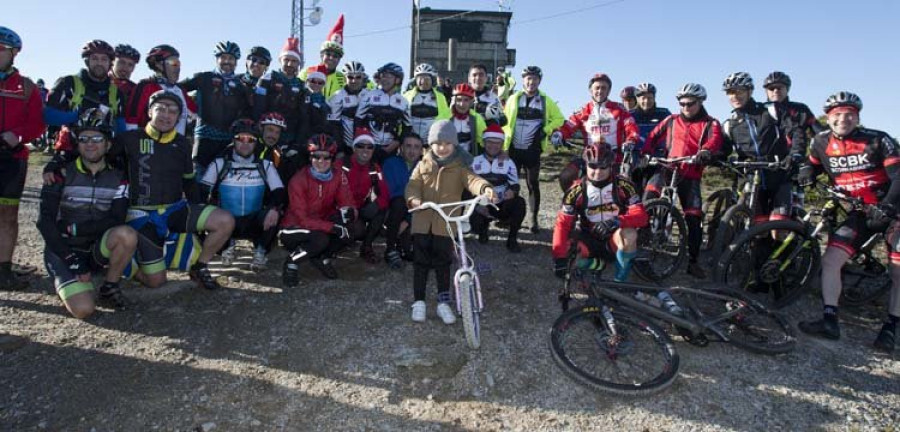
418 311
228 256
446 313
259 260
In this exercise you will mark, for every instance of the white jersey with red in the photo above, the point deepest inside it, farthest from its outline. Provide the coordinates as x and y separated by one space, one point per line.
607 122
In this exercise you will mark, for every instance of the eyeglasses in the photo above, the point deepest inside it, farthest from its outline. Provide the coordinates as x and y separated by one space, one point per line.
317 156
687 104
364 146
254 59
173 61
599 165
317 82
97 139
245 138
161 108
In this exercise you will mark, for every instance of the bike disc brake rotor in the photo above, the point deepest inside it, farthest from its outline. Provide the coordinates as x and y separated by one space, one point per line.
770 272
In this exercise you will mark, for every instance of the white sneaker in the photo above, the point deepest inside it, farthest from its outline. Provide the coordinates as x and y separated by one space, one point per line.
446 313
228 255
259 260
418 311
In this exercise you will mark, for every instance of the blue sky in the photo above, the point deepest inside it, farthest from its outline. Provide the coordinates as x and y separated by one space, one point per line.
825 46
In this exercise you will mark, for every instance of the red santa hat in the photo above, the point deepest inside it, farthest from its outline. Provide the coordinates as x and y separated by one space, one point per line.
494 131
335 39
363 136
317 72
292 49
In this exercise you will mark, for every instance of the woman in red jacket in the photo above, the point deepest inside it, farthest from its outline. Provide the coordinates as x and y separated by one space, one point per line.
319 212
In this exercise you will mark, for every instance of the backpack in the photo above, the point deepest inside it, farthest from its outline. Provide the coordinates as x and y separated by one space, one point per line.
78 96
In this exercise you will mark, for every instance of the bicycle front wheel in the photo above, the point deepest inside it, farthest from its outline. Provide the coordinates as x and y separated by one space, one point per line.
736 219
636 358
743 321
773 261
713 210
662 244
468 305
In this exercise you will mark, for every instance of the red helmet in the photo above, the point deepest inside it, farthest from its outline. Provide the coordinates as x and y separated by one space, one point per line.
598 153
627 93
464 89
160 53
98 46
321 143
600 77
272 118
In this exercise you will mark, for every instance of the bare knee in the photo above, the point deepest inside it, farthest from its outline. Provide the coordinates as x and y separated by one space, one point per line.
122 236
220 221
155 280
81 305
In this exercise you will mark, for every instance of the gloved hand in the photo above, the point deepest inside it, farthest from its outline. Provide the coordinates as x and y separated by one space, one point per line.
605 228
627 147
643 161
340 231
76 264
556 138
806 175
560 267
879 217
704 157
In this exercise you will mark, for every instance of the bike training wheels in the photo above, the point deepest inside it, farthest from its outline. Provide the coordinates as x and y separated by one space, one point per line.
736 220
638 358
468 305
714 209
662 244
863 280
741 320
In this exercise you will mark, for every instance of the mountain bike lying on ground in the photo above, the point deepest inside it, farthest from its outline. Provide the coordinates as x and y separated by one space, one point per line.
469 303
776 261
612 341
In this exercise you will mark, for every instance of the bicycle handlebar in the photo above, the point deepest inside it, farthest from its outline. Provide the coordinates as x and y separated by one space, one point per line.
469 205
765 165
690 160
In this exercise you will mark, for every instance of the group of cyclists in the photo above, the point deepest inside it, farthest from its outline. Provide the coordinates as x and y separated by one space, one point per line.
319 158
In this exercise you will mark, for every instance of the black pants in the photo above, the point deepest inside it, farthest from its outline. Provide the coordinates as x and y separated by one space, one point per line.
367 226
397 213
250 227
529 163
511 211
432 252
303 244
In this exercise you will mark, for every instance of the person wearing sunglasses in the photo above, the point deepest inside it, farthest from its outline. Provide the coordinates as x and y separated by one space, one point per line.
257 64
426 103
692 132
753 133
320 212
343 105
600 120
82 221
369 190
165 63
607 210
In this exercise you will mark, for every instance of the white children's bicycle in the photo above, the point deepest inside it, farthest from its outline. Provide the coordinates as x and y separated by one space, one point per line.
469 303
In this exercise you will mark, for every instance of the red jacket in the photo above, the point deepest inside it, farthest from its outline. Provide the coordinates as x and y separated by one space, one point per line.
677 136
312 203
360 178
601 127
21 113
136 108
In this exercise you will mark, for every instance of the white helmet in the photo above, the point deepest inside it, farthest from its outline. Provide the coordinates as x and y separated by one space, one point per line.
691 90
493 112
425 69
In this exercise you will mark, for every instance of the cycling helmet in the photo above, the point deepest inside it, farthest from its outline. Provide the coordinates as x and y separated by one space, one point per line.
39 82
599 153
333 47
532 70
321 143
160 53
644 88
97 46
353 67
243 125
262 53
738 80
841 99
691 90
464 89
777 78
425 69
272 118
92 119
627 93
10 38
393 69
600 77
493 112
228 47
167 95
127 51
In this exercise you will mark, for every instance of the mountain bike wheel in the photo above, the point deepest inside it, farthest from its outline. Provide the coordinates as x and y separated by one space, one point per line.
662 244
742 320
863 280
714 209
468 305
736 219
774 270
637 359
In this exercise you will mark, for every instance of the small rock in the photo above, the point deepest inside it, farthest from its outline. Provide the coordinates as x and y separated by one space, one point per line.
208 426
490 380
255 422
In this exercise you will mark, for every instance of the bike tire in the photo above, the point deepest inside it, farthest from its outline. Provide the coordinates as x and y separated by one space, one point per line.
754 328
735 220
642 349
743 268
467 304
862 284
662 248
714 209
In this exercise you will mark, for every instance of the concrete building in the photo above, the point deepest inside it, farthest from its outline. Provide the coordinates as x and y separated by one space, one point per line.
481 37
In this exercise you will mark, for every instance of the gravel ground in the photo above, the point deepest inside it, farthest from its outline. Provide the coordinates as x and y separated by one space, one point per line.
343 355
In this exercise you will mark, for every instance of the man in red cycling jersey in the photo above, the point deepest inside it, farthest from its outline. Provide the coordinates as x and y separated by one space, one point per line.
608 211
600 120
866 164
692 132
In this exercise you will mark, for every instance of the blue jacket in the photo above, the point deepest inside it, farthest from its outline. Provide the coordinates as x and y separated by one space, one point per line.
396 173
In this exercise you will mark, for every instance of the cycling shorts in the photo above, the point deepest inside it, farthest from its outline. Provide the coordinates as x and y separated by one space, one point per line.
775 200
596 247
12 173
853 233
95 254
191 218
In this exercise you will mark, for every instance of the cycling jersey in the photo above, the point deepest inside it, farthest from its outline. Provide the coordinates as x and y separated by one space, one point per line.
484 98
386 115
501 173
863 163
343 106
607 122
136 113
74 93
469 131
159 166
678 136
220 101
587 204
249 81
20 113
287 96
647 120
425 108
753 133
792 116
531 120
243 188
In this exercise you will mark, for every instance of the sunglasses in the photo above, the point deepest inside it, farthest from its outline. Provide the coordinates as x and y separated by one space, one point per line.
245 138
354 77
315 156
317 82
599 165
97 139
365 146
173 61
687 104
257 60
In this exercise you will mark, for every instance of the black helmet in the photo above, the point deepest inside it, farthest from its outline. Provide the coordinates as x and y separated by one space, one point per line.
228 47
532 70
243 125
738 80
97 46
127 51
777 78
843 98
644 88
94 119
262 53
160 53
167 95
393 69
